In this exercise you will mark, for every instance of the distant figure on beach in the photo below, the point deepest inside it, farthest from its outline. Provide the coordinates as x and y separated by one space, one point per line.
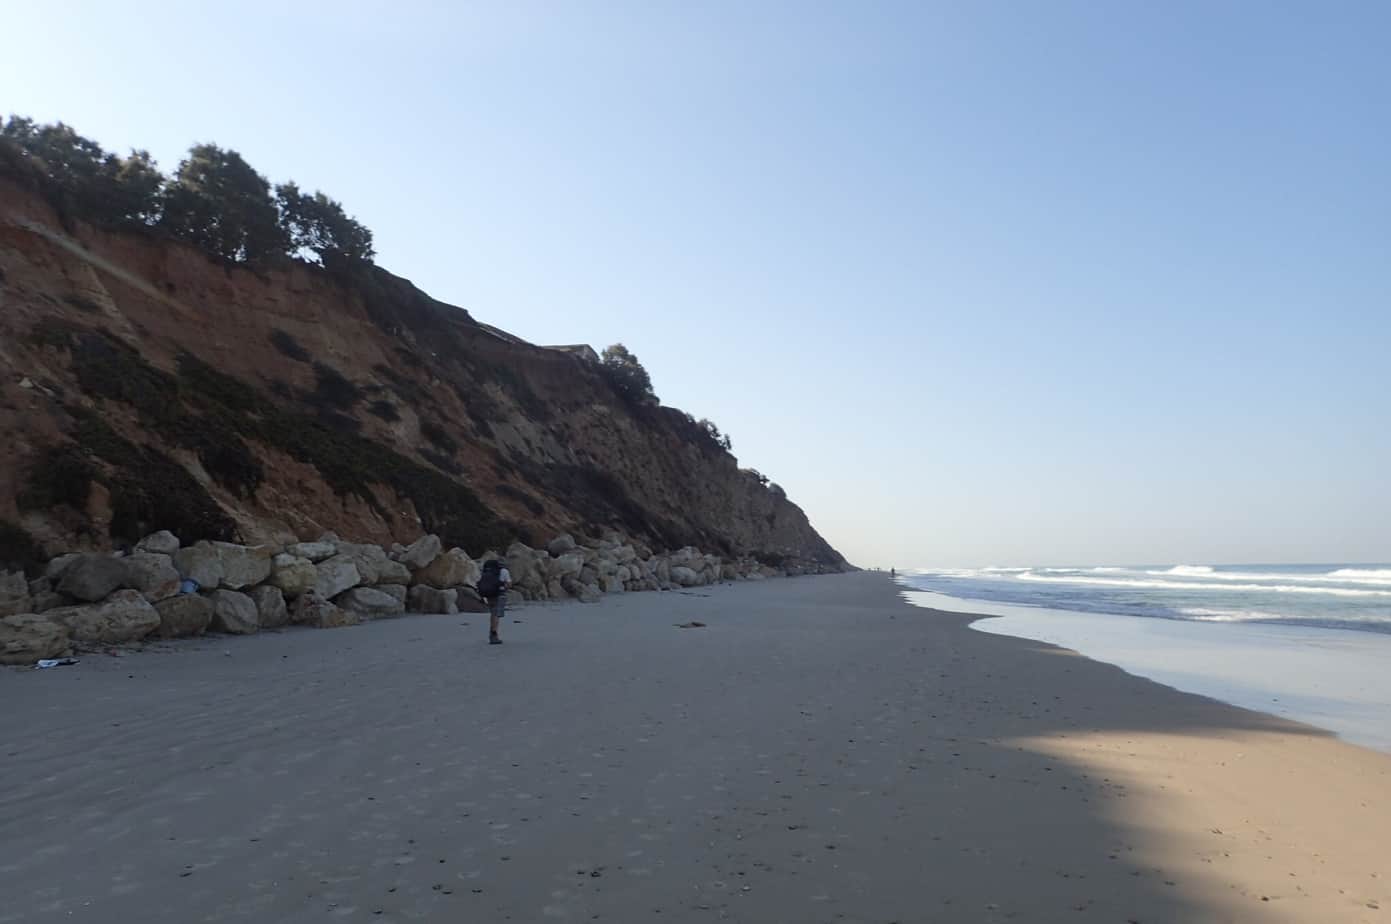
492 587
893 573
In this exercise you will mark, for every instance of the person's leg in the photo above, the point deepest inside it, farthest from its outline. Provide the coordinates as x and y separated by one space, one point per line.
495 605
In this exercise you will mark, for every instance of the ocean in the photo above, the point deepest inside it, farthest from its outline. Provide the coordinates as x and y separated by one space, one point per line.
1339 596
1307 642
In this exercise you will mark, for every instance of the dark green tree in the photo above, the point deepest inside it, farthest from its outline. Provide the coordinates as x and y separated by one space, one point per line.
136 186
218 203
721 440
317 224
627 375
84 181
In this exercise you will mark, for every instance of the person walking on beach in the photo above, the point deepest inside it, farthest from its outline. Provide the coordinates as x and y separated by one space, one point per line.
492 587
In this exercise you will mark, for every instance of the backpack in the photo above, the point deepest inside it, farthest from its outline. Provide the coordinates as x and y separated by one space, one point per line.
490 584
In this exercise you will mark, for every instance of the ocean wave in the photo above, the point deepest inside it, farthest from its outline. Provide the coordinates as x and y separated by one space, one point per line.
1194 585
1368 577
1203 614
1363 575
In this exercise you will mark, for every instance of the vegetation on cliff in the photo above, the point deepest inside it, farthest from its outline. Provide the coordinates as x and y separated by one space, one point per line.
402 412
215 200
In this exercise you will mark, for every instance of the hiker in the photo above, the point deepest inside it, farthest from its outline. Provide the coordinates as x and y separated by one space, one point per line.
492 587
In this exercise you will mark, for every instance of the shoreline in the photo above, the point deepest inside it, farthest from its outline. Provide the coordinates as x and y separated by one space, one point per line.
1332 679
821 750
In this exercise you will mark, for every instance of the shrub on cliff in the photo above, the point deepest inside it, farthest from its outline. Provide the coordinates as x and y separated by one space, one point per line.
627 375
721 440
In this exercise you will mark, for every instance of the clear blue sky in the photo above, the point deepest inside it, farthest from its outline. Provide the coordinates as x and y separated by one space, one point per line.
978 283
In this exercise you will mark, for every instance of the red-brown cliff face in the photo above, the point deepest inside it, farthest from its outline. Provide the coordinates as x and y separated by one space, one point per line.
143 386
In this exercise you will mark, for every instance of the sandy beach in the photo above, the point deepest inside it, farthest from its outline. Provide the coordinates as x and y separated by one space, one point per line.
821 751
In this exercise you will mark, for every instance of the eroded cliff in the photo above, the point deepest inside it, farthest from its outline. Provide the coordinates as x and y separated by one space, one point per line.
147 387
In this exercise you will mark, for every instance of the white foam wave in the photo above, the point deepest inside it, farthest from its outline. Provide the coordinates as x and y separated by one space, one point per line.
1203 614
1361 575
1373 578
1195 585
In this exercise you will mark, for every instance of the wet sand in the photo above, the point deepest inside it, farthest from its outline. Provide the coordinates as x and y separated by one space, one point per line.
820 752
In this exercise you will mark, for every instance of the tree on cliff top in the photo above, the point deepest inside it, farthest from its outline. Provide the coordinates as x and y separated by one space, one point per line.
319 225
217 202
82 179
627 375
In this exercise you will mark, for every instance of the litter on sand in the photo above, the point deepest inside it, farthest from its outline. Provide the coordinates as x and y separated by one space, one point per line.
54 662
693 624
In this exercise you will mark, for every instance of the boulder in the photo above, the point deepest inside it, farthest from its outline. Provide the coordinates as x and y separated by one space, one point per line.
14 594
161 543
312 610
56 567
624 574
200 563
27 637
421 552
92 577
183 615
335 576
370 560
243 566
234 612
684 576
589 574
369 602
393 572
567 563
625 554
399 591
314 551
271 612
590 593
554 589
42 603
468 601
151 573
730 573
293 575
522 565
423 598
611 585
125 616
452 569
560 545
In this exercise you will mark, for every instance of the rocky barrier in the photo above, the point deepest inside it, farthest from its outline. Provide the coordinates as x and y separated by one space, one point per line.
163 589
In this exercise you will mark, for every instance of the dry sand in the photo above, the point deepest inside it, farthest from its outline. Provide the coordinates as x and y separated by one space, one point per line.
820 752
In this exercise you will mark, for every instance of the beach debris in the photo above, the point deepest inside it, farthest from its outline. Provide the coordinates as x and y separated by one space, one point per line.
46 663
693 624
